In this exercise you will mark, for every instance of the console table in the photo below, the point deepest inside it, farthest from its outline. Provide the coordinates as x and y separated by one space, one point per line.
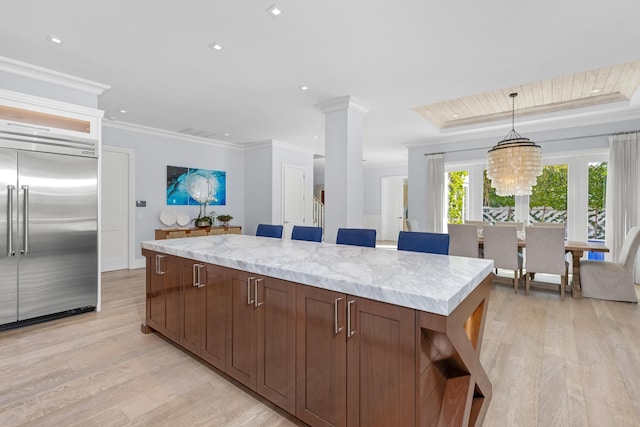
175 233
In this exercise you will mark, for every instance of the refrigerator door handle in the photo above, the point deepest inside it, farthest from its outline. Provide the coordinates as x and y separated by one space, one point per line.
25 221
10 195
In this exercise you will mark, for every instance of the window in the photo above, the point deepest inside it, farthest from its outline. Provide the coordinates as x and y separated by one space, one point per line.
548 200
458 186
597 200
496 208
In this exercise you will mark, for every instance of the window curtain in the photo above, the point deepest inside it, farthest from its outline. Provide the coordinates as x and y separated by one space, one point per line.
623 186
435 193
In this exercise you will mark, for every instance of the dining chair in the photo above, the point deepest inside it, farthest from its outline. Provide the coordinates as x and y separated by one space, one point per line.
478 224
548 224
612 280
433 243
309 234
519 225
412 225
356 237
546 254
269 230
463 240
501 245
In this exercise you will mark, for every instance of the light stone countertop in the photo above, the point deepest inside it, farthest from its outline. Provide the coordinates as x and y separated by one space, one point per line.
427 282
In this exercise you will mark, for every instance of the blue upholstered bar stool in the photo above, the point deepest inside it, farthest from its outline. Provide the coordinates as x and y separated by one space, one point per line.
269 230
356 237
432 243
309 234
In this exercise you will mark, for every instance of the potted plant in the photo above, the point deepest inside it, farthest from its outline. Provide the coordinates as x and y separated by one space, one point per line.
224 219
204 220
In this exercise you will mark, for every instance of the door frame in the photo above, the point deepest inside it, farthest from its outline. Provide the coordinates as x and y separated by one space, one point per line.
131 261
286 166
384 203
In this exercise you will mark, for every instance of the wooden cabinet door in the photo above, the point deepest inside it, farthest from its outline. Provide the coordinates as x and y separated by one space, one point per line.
320 357
276 362
190 308
215 301
241 328
381 364
163 294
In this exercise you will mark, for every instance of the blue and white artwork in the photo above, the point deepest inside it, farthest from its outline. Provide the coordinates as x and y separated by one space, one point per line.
186 186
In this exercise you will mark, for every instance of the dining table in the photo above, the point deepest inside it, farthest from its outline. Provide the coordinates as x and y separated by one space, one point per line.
577 248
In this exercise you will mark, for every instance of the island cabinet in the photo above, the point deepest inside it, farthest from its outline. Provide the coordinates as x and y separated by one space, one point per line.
330 358
163 294
242 324
261 336
355 360
203 312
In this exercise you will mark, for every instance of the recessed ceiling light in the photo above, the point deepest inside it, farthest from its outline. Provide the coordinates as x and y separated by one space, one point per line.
304 87
226 134
455 116
595 91
215 46
274 10
315 136
123 111
54 39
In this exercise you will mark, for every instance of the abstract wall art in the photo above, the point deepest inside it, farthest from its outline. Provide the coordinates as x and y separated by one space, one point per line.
190 186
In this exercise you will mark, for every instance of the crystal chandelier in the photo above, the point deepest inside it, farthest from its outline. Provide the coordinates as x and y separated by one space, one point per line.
514 163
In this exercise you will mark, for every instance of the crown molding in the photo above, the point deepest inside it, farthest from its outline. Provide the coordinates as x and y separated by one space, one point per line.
169 134
275 143
342 103
43 74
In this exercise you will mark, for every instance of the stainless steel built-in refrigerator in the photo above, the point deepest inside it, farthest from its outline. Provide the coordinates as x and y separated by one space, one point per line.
48 228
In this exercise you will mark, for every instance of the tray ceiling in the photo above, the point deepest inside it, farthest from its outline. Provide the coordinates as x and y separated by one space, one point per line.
589 88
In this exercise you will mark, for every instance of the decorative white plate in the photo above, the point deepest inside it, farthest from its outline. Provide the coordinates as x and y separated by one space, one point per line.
183 219
168 216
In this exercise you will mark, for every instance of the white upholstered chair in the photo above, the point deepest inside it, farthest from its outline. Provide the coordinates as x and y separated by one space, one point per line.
412 225
546 254
612 280
501 245
519 225
463 240
478 224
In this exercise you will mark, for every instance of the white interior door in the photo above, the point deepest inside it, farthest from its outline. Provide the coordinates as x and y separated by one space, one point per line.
293 181
115 209
392 209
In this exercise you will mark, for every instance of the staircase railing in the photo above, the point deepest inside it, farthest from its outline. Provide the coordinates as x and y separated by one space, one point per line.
318 212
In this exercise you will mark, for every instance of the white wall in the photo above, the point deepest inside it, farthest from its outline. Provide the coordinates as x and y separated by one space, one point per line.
153 153
263 182
372 185
258 188
286 155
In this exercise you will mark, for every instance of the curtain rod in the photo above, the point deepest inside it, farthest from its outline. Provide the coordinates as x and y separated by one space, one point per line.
542 142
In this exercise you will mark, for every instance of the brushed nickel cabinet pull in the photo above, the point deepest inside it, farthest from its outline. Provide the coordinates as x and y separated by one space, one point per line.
249 300
195 276
159 259
350 332
255 286
336 328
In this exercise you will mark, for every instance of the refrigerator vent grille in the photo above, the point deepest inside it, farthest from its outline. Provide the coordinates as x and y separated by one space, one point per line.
51 144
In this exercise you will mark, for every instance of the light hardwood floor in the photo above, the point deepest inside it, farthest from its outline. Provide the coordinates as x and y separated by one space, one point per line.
551 363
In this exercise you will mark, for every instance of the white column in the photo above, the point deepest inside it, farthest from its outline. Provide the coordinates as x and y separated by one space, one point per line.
343 180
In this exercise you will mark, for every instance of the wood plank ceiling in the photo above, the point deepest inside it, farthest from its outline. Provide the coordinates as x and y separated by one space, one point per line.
601 86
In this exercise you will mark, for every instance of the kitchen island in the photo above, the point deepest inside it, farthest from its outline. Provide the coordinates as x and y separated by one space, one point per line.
333 334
